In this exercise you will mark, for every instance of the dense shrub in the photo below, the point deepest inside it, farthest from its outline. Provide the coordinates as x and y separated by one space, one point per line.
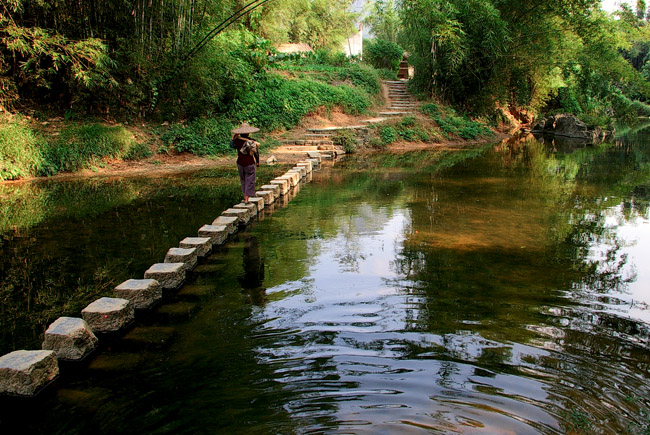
82 146
20 150
347 140
451 123
210 136
382 54
388 135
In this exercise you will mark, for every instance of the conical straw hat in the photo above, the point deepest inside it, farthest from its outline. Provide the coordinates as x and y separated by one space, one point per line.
245 128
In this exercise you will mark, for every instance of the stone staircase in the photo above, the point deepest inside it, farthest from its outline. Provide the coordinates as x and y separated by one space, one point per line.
401 102
319 141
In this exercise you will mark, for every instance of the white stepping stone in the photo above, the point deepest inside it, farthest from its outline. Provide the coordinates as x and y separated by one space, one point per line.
25 372
188 256
283 184
273 188
169 275
252 208
231 223
243 215
142 293
267 196
203 245
70 338
108 314
216 233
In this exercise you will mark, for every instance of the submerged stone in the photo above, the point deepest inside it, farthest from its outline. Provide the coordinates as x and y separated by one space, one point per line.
169 275
25 372
216 233
70 337
143 293
109 314
203 245
188 256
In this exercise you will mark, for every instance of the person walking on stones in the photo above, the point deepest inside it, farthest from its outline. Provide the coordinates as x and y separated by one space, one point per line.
248 157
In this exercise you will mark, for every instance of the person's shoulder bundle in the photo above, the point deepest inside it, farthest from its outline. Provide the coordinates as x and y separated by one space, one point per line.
250 147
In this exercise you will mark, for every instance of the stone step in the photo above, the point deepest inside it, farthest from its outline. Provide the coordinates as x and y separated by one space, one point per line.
336 129
396 113
312 135
374 120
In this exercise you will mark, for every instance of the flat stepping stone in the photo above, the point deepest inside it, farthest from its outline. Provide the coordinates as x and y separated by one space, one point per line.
108 314
258 201
229 222
294 177
170 276
70 338
216 233
252 208
315 155
26 372
203 245
273 188
142 293
188 256
243 215
300 169
283 184
267 196
314 162
309 166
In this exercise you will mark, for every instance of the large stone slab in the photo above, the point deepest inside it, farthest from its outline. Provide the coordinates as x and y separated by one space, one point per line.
273 188
231 223
267 196
314 155
283 184
258 201
188 256
300 169
25 372
216 233
243 215
70 338
315 162
169 275
292 177
108 314
203 245
307 165
142 293
252 208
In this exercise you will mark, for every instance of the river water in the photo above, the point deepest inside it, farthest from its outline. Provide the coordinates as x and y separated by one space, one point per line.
500 290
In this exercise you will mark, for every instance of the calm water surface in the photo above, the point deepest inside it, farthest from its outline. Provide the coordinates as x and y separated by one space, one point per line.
505 290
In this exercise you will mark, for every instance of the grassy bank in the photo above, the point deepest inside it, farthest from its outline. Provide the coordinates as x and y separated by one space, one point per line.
279 99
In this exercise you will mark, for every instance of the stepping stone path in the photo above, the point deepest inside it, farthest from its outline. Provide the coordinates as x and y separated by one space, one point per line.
318 142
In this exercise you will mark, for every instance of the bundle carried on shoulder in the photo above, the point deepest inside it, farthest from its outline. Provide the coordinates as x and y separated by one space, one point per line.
251 147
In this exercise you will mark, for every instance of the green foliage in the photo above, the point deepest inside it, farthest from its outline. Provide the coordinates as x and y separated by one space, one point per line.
451 123
278 103
84 146
382 54
388 135
138 151
347 140
383 20
209 136
20 150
